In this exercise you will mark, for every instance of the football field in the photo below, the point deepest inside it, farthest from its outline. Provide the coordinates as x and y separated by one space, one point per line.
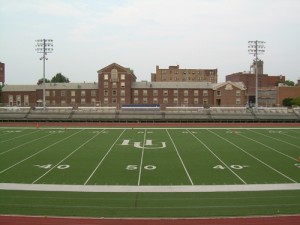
136 158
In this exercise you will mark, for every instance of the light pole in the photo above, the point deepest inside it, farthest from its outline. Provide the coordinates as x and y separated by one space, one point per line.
256 48
44 46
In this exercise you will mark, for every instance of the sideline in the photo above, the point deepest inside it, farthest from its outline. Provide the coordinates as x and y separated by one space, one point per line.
128 188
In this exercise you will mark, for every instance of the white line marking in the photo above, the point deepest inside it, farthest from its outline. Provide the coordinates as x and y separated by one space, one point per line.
228 167
293 158
65 158
92 174
142 159
24 144
19 136
276 139
255 158
182 163
49 146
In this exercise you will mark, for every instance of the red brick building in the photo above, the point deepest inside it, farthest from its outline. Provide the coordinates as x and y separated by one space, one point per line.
117 85
2 72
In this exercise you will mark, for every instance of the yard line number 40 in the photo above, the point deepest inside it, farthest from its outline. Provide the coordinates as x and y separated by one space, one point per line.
49 166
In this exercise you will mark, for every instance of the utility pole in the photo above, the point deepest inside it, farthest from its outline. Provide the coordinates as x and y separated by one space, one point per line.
256 48
44 46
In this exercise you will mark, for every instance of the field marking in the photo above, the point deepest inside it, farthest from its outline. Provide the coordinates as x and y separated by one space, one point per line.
228 167
182 163
92 174
24 144
142 159
276 139
19 136
49 146
48 171
293 158
282 174
148 188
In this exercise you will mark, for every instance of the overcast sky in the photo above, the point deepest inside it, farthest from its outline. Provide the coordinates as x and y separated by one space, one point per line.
140 34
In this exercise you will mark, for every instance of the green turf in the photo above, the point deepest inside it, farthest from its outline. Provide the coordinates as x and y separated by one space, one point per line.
147 156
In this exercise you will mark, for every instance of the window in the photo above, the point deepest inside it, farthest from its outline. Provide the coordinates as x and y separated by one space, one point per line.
122 100
114 101
72 93
186 101
105 76
237 101
114 75
155 101
63 102
114 85
238 93
205 92
105 101
122 92
114 93
62 93
145 100
122 76
47 93
73 101
185 93
136 92
145 92
155 92
11 100
136 100
165 100
175 93
93 101
218 93
26 100
105 92
196 92
105 84
165 92
53 102
196 101
122 84
53 93
93 92
205 101
82 101
175 101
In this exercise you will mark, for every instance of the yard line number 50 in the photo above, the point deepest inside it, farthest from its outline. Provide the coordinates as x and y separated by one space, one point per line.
135 167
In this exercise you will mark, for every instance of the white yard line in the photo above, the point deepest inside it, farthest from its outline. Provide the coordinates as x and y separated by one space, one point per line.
142 158
273 149
128 188
49 146
92 174
276 139
24 144
182 163
255 158
228 167
57 164
19 136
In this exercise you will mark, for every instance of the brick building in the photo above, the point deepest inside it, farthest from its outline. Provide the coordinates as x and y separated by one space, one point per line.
117 85
249 80
174 73
2 72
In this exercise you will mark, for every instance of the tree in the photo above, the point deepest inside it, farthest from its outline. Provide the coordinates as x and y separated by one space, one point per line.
296 101
59 78
40 81
289 83
287 102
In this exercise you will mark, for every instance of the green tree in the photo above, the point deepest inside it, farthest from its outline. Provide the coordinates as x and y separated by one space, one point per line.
296 101
40 81
289 83
59 78
287 102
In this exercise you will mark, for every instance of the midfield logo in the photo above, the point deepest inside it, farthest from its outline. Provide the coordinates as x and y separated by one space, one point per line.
147 145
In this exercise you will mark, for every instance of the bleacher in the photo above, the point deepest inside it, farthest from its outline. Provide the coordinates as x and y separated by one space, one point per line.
7 113
50 113
274 113
231 113
93 113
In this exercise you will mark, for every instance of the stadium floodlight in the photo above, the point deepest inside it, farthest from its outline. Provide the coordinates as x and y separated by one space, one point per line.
256 48
44 46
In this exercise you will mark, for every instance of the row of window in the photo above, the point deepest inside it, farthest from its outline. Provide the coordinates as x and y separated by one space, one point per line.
113 84
202 72
63 93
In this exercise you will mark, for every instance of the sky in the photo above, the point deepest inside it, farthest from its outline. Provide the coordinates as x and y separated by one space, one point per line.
194 34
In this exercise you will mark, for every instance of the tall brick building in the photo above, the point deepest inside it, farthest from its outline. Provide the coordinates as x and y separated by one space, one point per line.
2 72
117 86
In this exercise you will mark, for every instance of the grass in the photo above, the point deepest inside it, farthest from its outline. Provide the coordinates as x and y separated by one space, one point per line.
150 156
